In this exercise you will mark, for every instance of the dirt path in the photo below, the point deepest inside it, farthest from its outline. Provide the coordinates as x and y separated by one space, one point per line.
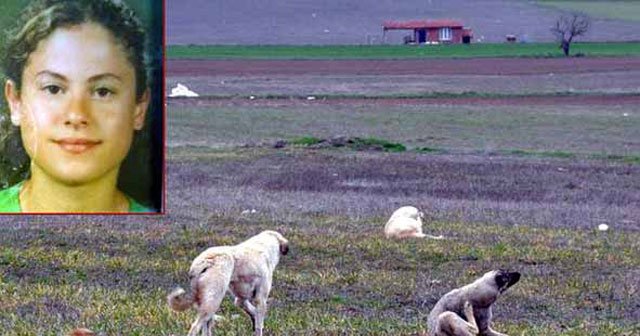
608 100
476 66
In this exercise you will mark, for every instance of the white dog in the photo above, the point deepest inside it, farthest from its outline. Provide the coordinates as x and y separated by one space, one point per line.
245 270
466 311
406 222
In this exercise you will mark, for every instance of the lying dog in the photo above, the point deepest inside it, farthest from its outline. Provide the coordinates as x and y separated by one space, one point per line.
245 270
466 311
406 222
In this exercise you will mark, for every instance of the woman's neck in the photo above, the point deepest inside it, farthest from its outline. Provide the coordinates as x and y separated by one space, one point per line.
43 193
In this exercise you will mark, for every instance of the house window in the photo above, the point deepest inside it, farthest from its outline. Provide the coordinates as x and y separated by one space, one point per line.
445 34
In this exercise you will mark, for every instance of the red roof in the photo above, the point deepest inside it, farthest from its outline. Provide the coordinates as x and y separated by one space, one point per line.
416 24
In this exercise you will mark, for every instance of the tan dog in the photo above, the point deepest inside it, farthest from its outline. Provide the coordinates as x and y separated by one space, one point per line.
466 311
245 270
406 222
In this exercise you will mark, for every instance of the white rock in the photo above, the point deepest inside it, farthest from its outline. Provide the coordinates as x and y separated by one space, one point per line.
311 98
603 227
182 91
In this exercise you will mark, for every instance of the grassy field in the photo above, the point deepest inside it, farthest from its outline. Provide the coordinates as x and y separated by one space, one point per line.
342 277
617 9
399 52
457 129
533 213
521 186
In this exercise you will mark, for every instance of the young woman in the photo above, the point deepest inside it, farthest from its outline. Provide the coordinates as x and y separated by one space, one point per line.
77 89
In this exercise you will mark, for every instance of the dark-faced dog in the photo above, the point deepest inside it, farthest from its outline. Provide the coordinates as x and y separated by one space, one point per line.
466 311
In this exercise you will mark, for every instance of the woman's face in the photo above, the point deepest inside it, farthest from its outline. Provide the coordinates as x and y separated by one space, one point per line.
77 108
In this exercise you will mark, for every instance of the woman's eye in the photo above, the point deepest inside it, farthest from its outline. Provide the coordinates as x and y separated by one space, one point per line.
103 92
52 89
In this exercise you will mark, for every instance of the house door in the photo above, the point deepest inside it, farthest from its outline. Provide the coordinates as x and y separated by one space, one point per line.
422 35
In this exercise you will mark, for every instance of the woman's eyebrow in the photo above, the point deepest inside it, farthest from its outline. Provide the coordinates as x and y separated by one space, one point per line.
104 76
51 74
93 78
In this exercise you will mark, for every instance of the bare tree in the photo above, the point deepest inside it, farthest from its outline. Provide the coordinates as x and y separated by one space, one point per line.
569 26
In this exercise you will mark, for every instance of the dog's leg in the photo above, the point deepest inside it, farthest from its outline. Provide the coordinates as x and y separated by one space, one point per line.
248 308
485 316
211 287
201 325
420 234
261 312
491 332
261 295
471 320
451 324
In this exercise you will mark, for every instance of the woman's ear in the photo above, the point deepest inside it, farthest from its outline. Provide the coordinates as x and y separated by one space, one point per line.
12 95
141 110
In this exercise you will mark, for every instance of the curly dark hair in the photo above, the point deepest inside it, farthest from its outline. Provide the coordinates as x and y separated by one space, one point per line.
42 17
36 22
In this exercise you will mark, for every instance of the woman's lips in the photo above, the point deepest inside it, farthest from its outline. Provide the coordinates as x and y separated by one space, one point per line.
77 146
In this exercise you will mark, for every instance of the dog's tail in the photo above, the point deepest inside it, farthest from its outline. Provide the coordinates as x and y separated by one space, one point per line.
179 300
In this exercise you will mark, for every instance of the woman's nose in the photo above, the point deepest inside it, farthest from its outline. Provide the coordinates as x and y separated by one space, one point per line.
77 114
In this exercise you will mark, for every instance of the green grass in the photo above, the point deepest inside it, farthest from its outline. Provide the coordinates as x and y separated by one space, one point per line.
541 130
630 159
634 159
354 143
554 154
305 141
375 143
398 52
356 283
616 9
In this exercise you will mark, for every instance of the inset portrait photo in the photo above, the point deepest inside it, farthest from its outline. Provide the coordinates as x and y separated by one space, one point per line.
81 119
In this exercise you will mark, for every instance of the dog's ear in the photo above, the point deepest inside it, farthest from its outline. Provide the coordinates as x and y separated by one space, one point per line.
284 248
506 279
